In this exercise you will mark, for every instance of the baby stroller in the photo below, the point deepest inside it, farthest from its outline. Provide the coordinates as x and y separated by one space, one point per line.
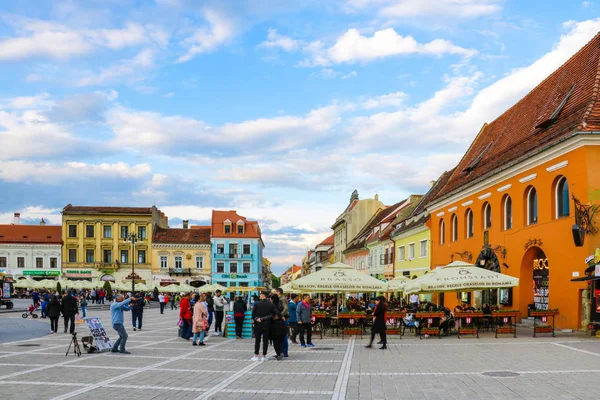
30 311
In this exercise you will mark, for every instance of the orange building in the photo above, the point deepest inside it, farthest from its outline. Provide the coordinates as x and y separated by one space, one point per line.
518 201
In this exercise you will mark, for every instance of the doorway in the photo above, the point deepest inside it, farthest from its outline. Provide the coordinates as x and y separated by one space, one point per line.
488 260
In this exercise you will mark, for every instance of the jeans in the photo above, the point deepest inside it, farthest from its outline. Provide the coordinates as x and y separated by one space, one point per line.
83 310
186 329
101 300
162 307
305 327
44 305
219 320
68 318
210 319
294 330
120 343
54 324
136 316
173 304
261 329
199 334
284 341
239 323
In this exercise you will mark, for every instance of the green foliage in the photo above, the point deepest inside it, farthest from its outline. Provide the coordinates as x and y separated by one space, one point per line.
107 287
276 281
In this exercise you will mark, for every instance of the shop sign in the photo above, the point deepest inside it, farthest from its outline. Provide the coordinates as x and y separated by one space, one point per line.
541 277
41 273
235 276
78 273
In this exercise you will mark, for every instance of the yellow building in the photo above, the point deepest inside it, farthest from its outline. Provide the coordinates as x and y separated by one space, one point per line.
95 244
181 255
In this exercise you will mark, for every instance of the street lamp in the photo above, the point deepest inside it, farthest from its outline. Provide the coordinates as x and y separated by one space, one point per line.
132 237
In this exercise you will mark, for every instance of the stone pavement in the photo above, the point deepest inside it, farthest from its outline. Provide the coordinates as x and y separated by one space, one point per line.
163 366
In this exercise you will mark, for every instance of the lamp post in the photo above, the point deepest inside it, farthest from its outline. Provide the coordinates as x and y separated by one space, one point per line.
132 237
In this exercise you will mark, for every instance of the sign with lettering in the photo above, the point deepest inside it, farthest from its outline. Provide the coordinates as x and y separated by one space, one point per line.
100 337
78 273
41 273
541 269
235 276
6 290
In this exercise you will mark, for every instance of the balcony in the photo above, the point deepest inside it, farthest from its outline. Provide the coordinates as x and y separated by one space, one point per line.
180 271
233 256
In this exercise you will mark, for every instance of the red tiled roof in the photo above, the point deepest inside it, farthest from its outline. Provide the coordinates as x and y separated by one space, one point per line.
525 127
35 234
187 236
106 210
251 228
328 242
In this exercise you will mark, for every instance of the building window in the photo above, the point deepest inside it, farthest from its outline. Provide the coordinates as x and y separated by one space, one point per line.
39 262
411 251
72 231
124 232
246 249
89 256
141 256
178 262
233 268
2 262
562 198
401 253
442 232
508 218
141 233
72 255
125 256
532 206
220 268
164 261
228 229
487 216
199 262
423 248
20 262
246 267
240 229
89 231
107 232
469 223
53 262
454 228
107 256
220 249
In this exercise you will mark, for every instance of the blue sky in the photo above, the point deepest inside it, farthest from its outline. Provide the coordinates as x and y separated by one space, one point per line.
279 109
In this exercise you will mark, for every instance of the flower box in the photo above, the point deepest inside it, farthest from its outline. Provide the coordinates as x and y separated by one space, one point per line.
467 331
352 331
430 331
543 313
505 313
319 315
352 315
462 314
430 314
395 315
505 329
543 329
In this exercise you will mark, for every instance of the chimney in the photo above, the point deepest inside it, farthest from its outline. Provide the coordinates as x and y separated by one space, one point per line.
17 219
185 223
42 222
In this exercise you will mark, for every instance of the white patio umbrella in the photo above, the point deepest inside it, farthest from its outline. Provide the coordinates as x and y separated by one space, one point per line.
169 288
213 288
459 277
24 283
397 284
287 288
338 277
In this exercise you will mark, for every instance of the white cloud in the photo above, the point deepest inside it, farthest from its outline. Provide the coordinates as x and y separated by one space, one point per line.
41 100
130 68
352 47
207 38
52 216
277 41
349 75
53 40
387 100
426 8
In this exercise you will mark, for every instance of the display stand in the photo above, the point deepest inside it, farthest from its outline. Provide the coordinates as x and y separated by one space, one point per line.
468 323
246 327
393 322
543 317
351 323
509 320
430 323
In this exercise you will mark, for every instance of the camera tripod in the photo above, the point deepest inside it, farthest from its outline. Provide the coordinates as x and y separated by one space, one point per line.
75 344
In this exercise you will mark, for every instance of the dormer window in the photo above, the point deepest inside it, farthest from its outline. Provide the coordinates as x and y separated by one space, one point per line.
227 226
240 227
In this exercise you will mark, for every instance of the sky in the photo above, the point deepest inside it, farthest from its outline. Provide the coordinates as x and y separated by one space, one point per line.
278 109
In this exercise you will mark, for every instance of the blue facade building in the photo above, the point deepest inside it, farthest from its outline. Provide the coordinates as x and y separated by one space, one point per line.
237 246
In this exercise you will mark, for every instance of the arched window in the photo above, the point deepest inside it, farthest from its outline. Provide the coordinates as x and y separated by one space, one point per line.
469 223
487 216
454 228
532 206
508 218
562 198
442 232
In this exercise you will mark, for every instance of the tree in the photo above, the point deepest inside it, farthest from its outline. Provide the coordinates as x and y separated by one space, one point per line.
107 287
276 281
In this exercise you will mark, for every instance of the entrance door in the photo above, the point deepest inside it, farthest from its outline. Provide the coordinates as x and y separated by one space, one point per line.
488 260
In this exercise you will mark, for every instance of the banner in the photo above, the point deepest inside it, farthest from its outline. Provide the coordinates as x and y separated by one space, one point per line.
97 330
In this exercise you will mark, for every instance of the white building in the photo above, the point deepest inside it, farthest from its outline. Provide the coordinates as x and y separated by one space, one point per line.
32 251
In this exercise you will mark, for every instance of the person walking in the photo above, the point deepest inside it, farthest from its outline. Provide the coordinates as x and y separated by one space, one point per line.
262 314
278 327
304 314
220 303
285 315
199 320
379 323
35 296
293 320
239 311
166 299
173 298
161 302
83 304
185 313
69 310
137 311
211 310
44 304
93 296
116 315
53 311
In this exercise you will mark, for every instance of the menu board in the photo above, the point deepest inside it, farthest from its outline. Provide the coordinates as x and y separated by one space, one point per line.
97 330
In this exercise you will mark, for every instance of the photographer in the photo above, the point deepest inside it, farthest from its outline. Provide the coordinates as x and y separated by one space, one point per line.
116 314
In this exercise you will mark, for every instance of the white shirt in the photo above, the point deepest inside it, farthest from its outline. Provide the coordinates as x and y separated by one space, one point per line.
161 298
414 298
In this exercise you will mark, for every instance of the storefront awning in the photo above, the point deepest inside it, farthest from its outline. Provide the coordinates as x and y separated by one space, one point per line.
586 278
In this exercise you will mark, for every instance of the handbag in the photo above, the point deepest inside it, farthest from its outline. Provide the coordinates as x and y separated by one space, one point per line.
180 322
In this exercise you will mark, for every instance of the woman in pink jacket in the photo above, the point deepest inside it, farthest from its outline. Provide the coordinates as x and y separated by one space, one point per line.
200 320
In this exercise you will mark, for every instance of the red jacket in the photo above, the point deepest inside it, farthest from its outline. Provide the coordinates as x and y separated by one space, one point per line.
185 310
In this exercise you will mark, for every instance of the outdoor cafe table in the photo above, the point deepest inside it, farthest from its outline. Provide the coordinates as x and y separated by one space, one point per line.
508 320
351 323
393 322
430 323
469 324
543 315
319 320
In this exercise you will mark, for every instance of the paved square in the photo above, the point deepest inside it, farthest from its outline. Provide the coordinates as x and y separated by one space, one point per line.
163 366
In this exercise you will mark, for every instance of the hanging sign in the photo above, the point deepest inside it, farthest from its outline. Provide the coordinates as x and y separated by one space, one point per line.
100 337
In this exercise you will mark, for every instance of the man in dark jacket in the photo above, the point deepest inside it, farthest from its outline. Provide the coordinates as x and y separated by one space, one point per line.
286 315
293 321
262 314
68 310
304 314
137 311
239 311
